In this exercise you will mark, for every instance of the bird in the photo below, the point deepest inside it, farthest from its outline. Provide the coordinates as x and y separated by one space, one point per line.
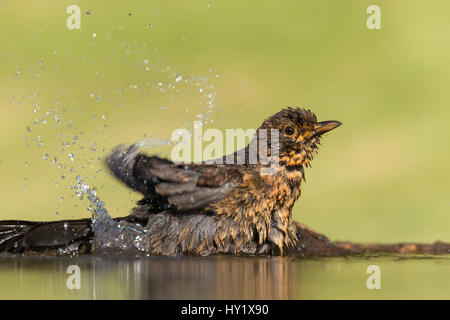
201 208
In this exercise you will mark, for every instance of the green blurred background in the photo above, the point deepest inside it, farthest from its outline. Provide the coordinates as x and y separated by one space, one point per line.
383 176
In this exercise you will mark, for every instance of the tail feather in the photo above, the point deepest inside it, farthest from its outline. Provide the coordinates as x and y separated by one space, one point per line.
11 231
27 236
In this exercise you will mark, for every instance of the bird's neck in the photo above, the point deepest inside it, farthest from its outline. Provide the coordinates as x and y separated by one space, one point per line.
285 189
291 177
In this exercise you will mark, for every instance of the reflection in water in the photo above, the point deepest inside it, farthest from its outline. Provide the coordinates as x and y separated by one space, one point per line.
113 277
148 278
220 278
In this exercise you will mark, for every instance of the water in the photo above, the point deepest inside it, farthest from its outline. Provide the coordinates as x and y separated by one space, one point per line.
113 277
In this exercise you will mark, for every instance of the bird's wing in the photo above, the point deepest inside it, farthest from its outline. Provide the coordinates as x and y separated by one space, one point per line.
184 187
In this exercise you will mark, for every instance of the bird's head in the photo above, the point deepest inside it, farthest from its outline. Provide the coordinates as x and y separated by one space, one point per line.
299 135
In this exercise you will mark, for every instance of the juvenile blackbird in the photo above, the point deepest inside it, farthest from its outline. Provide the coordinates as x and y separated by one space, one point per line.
201 208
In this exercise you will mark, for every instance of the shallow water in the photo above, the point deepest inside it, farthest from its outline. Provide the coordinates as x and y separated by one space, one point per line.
114 277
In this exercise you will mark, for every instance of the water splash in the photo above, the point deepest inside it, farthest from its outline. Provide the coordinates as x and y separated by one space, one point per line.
78 155
110 235
96 205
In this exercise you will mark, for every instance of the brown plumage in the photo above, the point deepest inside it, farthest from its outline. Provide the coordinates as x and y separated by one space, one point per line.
204 208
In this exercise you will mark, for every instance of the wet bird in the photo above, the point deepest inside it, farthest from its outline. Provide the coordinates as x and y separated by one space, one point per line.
214 207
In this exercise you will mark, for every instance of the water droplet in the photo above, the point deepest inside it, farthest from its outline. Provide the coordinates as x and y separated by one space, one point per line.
61 199
178 78
94 35
38 140
71 156
45 156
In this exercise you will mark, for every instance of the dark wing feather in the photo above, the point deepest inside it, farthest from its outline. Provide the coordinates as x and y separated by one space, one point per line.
199 198
173 174
183 187
167 188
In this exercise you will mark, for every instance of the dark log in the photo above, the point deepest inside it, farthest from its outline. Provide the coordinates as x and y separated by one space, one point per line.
315 244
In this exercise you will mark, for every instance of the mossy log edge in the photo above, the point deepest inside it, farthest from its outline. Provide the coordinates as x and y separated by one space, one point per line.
315 244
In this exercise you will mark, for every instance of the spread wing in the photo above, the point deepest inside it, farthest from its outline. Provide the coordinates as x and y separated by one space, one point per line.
184 187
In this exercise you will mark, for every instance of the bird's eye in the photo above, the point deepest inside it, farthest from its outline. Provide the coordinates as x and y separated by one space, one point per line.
289 131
